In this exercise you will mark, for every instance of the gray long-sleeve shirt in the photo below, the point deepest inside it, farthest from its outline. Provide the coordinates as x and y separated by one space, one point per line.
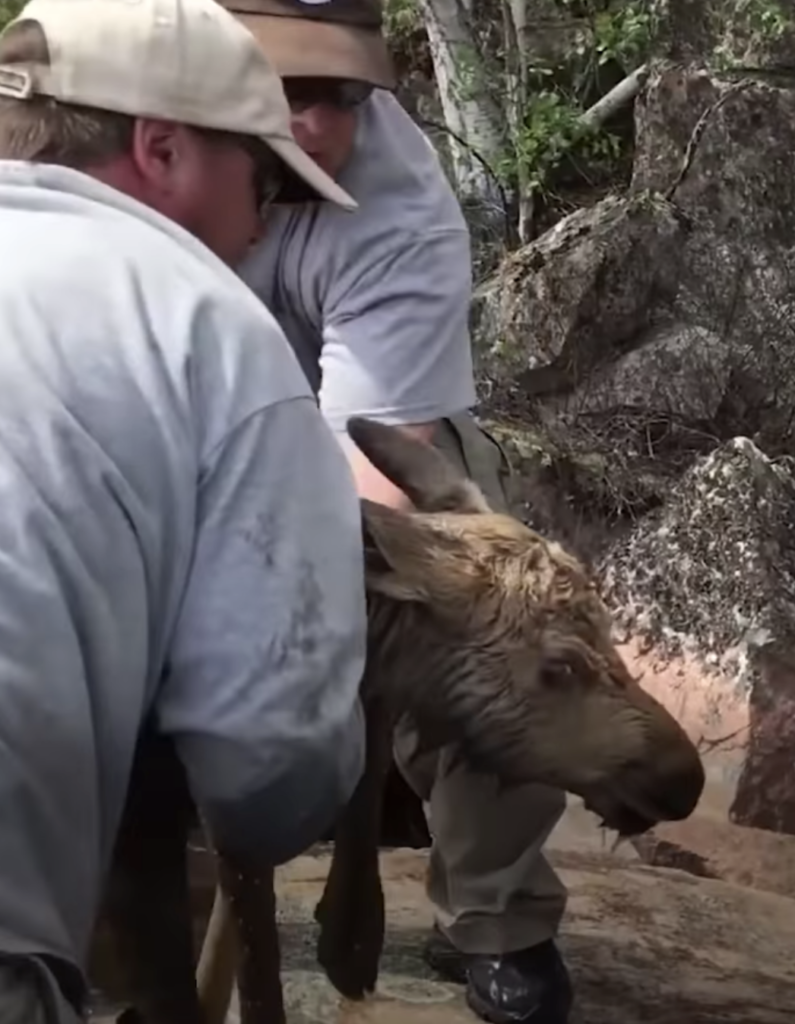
179 530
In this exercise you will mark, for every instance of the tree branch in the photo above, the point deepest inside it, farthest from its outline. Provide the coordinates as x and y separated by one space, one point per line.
619 96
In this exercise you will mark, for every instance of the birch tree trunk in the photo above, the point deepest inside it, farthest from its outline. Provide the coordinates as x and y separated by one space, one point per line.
470 113
514 15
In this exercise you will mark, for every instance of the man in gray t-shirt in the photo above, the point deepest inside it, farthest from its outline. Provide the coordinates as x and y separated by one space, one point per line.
376 306
160 552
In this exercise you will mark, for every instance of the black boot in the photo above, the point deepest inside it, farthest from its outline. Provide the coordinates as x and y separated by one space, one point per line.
531 986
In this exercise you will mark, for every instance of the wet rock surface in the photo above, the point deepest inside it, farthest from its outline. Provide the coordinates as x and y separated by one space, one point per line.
644 944
710 848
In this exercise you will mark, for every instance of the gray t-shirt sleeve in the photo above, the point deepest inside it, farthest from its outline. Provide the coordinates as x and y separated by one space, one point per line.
261 691
396 341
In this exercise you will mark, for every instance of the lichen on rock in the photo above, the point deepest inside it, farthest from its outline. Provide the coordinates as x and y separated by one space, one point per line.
714 570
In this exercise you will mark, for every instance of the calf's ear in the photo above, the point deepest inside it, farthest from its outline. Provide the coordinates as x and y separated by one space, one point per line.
426 477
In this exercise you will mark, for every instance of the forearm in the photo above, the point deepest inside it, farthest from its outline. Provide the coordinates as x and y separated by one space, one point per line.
280 817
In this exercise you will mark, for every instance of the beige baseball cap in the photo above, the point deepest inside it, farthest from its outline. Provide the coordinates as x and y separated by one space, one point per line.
188 61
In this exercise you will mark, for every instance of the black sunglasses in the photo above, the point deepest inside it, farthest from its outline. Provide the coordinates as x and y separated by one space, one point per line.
340 93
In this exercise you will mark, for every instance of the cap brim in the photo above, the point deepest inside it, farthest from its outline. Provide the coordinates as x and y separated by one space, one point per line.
307 47
306 181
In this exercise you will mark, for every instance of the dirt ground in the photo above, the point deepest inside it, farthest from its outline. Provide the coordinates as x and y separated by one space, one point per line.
645 945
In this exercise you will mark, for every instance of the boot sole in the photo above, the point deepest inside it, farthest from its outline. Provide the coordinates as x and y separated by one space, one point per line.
490 1013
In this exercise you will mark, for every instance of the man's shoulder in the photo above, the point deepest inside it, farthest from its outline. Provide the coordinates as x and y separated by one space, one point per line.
395 158
397 178
86 230
102 271
403 195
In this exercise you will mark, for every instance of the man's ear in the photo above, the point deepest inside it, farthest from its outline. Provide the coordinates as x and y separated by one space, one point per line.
403 555
154 149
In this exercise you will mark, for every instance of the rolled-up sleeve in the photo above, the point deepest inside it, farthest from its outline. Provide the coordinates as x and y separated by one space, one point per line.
261 693
396 343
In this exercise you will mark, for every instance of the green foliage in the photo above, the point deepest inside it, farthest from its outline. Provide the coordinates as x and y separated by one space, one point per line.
541 104
614 33
753 25
8 10
551 131
548 131
402 19
621 32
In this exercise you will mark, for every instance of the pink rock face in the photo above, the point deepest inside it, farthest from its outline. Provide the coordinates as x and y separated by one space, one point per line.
748 755
746 739
704 592
712 712
710 848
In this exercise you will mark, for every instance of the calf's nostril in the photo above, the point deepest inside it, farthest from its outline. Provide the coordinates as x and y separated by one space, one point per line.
676 792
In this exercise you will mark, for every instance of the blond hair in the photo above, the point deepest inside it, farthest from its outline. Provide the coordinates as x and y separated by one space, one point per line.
44 130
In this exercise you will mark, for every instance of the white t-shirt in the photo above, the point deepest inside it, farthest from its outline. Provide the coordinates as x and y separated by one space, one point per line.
179 531
376 302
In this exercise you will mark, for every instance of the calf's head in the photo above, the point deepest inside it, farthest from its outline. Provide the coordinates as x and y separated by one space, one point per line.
501 645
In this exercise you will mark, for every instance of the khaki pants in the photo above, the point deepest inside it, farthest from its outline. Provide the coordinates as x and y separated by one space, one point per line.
29 994
492 888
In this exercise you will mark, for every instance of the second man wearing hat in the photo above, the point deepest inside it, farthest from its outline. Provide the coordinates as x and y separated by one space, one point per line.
376 305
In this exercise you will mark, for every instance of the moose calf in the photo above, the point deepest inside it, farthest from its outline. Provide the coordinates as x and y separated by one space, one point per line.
495 643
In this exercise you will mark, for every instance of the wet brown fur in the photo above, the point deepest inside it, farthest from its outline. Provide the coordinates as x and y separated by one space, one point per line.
491 639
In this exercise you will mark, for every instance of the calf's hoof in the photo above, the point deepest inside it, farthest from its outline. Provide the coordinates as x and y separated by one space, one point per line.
350 943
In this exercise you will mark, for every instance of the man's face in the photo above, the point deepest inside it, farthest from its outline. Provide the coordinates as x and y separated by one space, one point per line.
216 185
324 117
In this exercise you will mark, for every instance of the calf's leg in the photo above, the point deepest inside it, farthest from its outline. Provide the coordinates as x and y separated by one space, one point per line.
249 927
351 910
147 900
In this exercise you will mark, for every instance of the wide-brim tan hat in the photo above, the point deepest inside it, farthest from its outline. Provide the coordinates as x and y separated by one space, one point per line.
320 38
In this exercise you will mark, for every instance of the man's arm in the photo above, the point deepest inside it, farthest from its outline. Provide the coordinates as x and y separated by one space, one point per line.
266 660
396 346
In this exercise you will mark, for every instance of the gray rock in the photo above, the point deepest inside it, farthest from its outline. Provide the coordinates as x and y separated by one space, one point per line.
680 369
720 149
698 258
581 293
